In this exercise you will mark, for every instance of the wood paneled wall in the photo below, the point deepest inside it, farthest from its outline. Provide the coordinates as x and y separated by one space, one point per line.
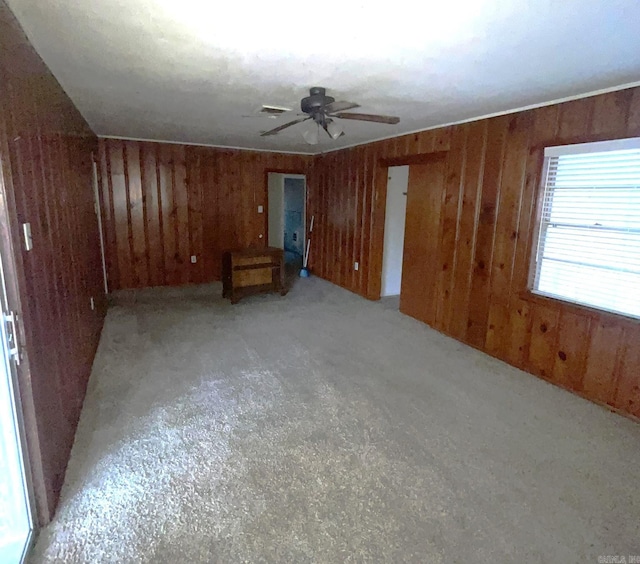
45 152
484 219
163 203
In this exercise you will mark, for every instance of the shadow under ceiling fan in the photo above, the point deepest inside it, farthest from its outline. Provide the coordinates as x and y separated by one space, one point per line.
323 110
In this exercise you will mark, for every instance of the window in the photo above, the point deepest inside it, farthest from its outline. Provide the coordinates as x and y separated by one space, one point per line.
588 248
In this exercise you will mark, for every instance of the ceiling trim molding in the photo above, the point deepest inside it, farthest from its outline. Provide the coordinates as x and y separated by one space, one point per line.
495 114
210 145
439 126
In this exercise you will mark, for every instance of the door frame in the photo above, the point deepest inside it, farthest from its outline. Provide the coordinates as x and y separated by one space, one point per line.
384 239
290 174
374 283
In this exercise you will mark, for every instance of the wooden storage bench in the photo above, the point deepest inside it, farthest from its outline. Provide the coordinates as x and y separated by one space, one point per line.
252 271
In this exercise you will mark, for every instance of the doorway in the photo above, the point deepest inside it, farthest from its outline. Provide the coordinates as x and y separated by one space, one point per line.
16 518
394 227
287 221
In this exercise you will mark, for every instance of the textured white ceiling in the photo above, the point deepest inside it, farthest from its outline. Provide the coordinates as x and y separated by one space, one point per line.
189 70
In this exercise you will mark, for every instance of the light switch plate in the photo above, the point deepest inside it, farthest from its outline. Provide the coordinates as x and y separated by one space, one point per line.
260 209
194 259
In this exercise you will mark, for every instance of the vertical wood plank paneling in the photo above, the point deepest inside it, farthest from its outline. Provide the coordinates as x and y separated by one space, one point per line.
342 242
46 165
544 127
610 113
195 183
575 120
627 396
633 121
571 350
340 263
144 186
365 217
469 214
225 207
541 354
352 214
210 218
491 221
169 228
163 203
182 258
602 362
122 212
358 217
152 214
51 277
333 222
480 284
449 228
137 226
506 233
378 177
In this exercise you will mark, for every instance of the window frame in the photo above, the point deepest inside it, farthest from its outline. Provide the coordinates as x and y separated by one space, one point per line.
546 153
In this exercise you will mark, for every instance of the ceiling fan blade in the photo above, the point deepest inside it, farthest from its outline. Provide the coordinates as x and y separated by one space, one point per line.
283 126
391 120
340 107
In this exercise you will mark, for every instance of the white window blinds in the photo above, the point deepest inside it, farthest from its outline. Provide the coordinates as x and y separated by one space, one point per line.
588 249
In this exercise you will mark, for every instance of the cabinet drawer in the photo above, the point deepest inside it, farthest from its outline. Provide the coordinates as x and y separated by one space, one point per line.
253 277
249 261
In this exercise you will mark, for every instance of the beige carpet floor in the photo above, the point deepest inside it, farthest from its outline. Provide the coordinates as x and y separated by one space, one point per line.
320 427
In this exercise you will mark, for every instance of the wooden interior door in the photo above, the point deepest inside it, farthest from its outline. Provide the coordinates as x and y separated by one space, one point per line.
420 262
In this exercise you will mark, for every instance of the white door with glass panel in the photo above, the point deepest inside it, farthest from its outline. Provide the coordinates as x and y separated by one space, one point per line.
16 523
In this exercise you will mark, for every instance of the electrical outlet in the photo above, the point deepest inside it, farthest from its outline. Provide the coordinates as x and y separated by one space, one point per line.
356 265
93 303
194 259
260 209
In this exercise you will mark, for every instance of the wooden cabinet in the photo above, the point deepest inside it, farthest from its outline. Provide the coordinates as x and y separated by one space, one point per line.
252 271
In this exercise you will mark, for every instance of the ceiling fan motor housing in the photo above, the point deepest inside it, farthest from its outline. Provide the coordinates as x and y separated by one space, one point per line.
316 100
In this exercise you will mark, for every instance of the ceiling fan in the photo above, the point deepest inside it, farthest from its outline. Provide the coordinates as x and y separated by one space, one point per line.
323 110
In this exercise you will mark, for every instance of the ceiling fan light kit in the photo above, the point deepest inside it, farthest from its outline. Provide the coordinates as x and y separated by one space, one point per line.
324 110
334 130
312 134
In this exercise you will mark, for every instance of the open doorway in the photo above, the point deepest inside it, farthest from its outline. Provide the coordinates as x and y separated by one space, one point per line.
287 221
394 226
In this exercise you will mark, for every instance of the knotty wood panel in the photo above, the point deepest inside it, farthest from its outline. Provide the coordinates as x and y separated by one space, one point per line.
484 234
421 244
163 203
47 180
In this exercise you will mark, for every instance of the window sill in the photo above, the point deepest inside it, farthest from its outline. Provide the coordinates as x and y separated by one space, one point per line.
585 311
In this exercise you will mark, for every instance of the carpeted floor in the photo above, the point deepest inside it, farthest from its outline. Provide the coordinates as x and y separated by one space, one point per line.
321 427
